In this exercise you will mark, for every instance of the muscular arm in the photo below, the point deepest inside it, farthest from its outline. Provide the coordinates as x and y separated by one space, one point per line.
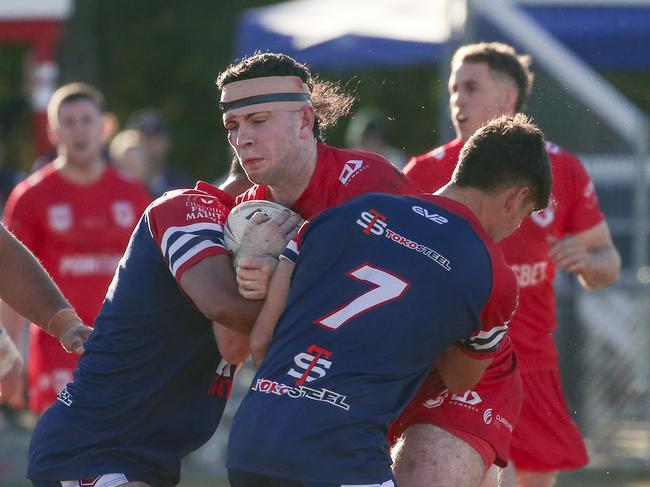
271 311
212 287
233 346
27 289
459 371
24 284
591 255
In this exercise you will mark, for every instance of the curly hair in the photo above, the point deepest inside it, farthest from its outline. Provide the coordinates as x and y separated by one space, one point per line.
329 100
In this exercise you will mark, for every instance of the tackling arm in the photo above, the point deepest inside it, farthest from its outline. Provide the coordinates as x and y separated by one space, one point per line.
233 346
26 288
271 311
212 287
459 371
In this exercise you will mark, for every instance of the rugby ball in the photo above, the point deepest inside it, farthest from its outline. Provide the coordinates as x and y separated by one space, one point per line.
241 215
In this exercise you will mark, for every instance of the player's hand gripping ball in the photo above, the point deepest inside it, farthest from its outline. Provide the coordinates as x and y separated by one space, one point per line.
241 216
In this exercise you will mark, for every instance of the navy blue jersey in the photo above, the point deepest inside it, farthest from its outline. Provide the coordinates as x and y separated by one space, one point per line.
151 386
382 284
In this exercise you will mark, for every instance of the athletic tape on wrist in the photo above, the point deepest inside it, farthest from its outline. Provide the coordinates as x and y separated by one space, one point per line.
59 321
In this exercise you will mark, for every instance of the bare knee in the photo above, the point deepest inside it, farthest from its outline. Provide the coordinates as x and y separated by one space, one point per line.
428 455
492 478
536 479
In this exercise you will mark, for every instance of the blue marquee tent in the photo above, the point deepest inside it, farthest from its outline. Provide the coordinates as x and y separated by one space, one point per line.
359 34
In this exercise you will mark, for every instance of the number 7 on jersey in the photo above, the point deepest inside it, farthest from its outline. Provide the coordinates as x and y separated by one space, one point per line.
387 287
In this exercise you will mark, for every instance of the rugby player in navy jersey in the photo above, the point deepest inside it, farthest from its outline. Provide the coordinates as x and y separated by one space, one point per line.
153 382
367 298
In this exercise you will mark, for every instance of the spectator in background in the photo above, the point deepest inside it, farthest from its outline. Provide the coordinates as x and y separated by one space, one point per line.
367 131
25 286
160 175
76 215
128 154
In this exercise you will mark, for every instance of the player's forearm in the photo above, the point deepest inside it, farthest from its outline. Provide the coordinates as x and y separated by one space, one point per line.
25 286
459 372
233 346
273 307
603 268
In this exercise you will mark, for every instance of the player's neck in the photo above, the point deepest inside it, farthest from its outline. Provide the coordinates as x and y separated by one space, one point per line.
483 206
80 172
293 184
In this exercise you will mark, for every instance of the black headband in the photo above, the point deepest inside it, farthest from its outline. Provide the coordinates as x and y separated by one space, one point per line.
256 100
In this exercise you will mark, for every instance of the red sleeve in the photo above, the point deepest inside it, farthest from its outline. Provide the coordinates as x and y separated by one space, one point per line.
584 211
417 169
21 218
379 177
497 312
188 227
431 171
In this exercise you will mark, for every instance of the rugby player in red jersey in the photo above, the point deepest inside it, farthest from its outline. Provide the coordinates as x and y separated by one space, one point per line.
76 215
453 439
274 111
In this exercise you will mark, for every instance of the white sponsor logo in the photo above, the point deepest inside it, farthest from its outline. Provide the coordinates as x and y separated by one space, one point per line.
350 168
59 217
436 401
87 265
123 214
469 397
589 193
504 422
434 217
543 218
377 224
438 154
64 396
530 274
423 249
306 360
487 416
207 201
267 386
374 222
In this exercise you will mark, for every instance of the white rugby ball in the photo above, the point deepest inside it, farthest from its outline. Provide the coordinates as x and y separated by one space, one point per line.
241 215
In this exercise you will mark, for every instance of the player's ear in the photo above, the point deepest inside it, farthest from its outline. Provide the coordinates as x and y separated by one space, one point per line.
307 120
515 197
509 100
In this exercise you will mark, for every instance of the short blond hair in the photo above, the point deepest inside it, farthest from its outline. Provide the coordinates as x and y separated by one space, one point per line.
503 59
73 92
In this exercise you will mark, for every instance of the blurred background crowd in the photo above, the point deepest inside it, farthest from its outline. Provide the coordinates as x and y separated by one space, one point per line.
155 61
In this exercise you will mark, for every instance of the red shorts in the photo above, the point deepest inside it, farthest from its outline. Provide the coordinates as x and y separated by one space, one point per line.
49 369
546 438
483 417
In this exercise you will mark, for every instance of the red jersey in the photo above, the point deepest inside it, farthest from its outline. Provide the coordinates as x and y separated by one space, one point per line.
79 233
574 208
340 175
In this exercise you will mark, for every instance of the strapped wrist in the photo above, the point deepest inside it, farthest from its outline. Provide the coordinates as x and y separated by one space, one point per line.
59 322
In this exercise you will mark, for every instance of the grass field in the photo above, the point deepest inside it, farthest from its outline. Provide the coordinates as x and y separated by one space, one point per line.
585 478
